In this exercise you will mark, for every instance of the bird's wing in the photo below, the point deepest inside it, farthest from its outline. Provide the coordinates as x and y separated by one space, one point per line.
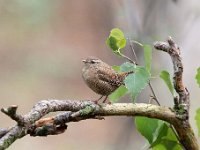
111 77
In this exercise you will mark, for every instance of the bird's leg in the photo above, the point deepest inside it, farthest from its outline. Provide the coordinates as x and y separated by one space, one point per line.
96 101
105 99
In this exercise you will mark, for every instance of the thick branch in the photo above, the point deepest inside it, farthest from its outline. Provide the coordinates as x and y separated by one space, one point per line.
46 106
181 106
173 50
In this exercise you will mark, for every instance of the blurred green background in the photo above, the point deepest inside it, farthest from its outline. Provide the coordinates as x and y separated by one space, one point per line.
42 43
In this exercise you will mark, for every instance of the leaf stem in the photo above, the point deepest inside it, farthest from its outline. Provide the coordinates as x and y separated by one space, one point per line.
170 125
136 60
129 59
151 88
154 95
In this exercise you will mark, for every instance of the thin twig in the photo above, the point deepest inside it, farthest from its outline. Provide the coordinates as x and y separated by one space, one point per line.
129 59
154 95
151 88
132 49
155 98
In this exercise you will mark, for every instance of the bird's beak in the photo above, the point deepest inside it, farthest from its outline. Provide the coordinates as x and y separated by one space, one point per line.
84 60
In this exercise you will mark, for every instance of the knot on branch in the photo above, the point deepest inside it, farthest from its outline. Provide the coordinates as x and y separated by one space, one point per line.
47 129
33 125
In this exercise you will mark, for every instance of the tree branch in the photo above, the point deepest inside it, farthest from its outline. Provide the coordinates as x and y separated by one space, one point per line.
181 103
77 111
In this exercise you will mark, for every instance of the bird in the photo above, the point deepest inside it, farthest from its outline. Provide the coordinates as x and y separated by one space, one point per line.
101 77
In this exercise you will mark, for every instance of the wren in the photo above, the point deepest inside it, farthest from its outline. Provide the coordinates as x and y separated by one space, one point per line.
101 77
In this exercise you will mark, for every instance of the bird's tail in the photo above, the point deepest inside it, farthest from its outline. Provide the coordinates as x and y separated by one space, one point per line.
123 75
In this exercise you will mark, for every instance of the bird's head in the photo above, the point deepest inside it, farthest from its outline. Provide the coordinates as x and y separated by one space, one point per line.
90 61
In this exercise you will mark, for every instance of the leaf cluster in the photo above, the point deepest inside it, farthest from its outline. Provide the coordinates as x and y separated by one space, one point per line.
158 133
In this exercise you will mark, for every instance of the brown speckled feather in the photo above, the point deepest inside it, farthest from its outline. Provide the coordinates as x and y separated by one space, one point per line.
100 77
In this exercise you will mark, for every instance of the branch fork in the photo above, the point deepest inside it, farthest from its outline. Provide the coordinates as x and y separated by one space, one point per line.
182 101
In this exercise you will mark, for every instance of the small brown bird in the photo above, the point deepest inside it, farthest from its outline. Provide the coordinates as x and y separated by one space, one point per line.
101 78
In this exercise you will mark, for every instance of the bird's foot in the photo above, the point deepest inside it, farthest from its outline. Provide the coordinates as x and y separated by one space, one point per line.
96 101
109 102
105 101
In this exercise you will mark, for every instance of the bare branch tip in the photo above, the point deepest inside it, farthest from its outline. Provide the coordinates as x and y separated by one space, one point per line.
10 111
170 38
170 41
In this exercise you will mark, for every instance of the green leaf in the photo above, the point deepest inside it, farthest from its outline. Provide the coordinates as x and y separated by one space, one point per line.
112 43
197 118
127 66
170 133
166 77
161 132
137 81
121 43
121 91
116 68
119 36
147 56
167 145
148 127
116 40
165 135
116 32
158 133
198 76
